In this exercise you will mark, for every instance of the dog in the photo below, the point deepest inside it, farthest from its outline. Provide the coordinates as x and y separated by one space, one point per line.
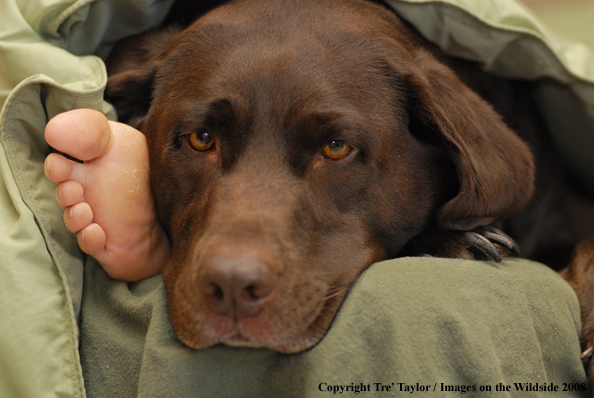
295 142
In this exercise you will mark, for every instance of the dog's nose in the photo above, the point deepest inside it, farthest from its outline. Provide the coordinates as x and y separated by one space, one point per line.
237 286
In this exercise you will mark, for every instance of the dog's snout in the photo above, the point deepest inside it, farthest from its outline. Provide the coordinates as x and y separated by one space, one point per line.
236 286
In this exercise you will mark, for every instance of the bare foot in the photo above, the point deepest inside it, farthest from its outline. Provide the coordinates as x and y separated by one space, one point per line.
107 199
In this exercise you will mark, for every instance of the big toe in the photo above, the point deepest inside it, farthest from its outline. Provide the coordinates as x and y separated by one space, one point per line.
82 133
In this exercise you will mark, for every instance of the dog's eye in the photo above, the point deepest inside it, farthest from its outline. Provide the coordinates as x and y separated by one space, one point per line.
201 141
336 150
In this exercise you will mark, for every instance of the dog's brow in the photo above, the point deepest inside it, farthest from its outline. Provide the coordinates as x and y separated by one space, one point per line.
192 113
331 119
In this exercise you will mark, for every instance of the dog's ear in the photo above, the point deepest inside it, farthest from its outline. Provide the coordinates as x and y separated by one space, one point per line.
494 166
131 67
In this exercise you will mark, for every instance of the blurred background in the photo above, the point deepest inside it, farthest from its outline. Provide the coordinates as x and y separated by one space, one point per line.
572 19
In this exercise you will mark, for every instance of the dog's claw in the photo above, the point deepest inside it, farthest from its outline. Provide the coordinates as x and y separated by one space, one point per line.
484 238
483 244
586 356
497 236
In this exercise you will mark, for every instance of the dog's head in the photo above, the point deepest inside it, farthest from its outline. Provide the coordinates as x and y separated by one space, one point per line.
294 143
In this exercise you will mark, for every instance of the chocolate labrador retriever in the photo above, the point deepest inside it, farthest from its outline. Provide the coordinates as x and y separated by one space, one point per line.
295 142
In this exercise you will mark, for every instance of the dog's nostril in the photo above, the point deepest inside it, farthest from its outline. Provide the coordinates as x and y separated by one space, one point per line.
252 293
213 290
237 287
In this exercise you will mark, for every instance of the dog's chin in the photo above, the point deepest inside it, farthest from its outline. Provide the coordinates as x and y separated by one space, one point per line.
240 340
200 329
247 337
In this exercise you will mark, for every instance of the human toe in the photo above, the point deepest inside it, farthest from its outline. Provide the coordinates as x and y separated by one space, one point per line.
91 240
84 134
69 193
57 168
78 216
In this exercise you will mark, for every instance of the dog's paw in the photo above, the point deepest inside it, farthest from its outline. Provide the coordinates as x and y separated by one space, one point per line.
482 243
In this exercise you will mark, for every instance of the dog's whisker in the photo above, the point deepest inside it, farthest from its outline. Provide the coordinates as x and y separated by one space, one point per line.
336 291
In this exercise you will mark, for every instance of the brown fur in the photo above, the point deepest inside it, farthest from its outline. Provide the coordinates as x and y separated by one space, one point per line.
580 275
268 234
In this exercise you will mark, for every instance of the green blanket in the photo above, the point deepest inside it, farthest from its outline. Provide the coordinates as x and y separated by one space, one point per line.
445 325
410 321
